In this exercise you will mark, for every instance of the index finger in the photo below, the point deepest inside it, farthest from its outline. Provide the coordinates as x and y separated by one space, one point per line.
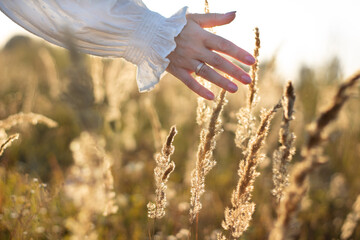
223 45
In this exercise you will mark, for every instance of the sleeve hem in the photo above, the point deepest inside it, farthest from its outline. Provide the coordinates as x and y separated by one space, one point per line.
150 70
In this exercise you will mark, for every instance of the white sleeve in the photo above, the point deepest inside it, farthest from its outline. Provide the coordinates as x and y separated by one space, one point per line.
115 28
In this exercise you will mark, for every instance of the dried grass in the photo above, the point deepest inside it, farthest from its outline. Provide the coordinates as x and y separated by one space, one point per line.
205 161
237 218
246 126
253 89
8 143
284 154
22 118
312 151
164 167
89 184
351 220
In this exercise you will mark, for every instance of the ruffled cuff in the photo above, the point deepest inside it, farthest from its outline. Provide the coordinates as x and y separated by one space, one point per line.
151 43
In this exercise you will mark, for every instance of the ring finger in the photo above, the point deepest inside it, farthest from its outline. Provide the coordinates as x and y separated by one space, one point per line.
211 75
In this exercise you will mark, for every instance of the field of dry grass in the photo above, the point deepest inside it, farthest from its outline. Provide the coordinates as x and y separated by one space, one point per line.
83 155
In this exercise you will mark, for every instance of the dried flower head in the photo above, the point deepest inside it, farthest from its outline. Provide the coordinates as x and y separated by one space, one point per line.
311 152
246 126
237 218
164 167
205 161
286 151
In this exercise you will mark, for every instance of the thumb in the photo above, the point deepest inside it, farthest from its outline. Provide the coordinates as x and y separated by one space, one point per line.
212 19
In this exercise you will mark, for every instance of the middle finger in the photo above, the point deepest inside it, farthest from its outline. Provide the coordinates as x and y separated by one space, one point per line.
224 65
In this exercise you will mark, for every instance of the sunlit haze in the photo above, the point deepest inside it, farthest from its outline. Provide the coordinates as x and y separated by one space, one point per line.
299 32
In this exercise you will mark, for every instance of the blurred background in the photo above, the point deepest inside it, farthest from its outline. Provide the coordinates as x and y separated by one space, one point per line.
315 44
299 32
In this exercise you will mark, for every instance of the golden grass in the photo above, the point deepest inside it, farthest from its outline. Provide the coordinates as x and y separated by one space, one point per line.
311 152
284 154
164 167
205 161
110 133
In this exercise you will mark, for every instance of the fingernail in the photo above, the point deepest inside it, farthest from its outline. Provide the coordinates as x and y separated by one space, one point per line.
210 96
230 13
246 78
250 60
233 88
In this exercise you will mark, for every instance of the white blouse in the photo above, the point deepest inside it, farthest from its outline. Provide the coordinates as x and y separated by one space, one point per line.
115 28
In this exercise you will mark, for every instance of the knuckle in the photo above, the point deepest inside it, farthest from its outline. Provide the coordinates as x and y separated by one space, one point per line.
217 60
196 88
224 45
235 73
204 71
216 17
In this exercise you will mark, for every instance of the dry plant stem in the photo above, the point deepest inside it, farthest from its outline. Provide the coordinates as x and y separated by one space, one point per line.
21 118
8 143
164 167
205 161
246 120
330 114
351 220
283 156
295 192
237 218
253 90
203 110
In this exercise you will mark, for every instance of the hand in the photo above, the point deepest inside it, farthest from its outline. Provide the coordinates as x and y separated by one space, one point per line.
195 45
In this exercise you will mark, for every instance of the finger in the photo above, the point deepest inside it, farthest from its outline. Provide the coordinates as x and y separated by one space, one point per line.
194 85
222 45
211 75
224 65
213 19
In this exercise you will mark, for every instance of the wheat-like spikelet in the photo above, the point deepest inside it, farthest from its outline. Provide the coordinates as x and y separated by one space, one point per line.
164 167
286 151
8 143
253 89
89 184
351 221
246 126
31 118
203 110
237 218
295 192
220 237
205 161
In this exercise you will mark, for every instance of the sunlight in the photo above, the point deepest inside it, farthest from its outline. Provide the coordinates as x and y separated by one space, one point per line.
299 32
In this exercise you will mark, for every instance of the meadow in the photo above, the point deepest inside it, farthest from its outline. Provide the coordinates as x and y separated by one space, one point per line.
85 156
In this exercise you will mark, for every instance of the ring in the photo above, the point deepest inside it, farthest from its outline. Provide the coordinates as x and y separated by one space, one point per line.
198 68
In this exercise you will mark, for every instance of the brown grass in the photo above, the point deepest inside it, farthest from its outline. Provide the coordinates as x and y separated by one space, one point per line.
295 192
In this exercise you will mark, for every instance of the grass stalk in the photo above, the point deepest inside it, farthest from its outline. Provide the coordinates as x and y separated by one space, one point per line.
311 152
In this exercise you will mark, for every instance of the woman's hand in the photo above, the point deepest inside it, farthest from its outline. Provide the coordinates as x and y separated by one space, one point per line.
194 45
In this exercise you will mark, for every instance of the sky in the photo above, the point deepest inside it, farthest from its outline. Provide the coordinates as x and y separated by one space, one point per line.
307 32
